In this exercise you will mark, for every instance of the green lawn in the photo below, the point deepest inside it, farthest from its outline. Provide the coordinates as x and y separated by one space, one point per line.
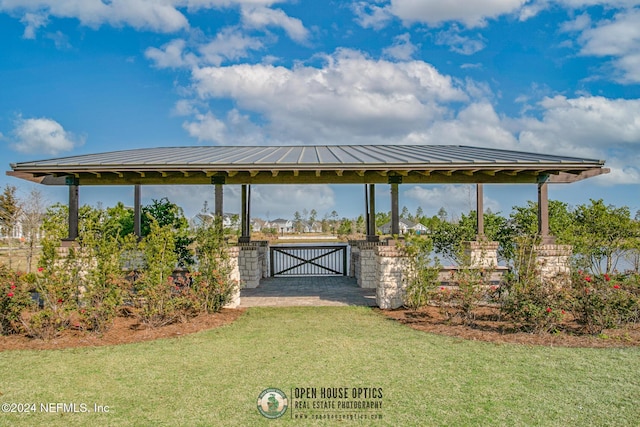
214 378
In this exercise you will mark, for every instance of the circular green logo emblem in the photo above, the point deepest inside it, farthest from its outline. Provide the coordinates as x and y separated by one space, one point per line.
272 403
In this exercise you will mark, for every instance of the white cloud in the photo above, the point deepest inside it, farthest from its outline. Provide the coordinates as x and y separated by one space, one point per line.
206 128
613 38
470 13
275 201
371 16
140 14
585 126
477 124
618 38
458 43
263 17
229 44
402 48
267 201
38 136
162 16
32 22
455 198
351 96
170 55
236 129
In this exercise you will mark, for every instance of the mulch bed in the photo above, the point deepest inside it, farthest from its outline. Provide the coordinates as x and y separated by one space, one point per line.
124 330
489 326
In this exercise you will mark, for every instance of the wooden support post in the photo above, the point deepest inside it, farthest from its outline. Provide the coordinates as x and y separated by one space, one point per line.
543 214
218 210
246 195
137 212
73 207
366 207
371 231
480 211
219 195
395 217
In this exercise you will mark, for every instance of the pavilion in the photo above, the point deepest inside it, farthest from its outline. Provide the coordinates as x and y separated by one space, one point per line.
326 164
374 264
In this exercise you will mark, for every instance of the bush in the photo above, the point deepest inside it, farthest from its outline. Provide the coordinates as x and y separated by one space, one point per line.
468 288
14 299
605 301
538 305
56 291
103 285
153 292
212 285
422 272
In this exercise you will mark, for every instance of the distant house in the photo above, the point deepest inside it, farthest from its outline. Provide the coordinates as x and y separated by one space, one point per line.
311 227
282 226
406 226
24 228
258 224
229 220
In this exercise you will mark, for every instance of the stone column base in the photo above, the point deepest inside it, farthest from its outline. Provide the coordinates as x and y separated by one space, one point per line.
234 275
391 263
553 262
364 260
481 254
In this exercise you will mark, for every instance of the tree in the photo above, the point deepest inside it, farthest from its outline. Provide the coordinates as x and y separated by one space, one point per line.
419 214
524 220
120 219
602 233
442 214
166 213
297 221
345 227
32 215
10 210
361 227
405 213
313 215
382 218
448 236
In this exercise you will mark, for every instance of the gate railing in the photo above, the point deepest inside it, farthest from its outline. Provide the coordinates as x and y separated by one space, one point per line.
297 260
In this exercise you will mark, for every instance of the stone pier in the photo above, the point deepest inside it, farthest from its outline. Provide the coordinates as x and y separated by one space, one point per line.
481 253
363 263
553 262
391 281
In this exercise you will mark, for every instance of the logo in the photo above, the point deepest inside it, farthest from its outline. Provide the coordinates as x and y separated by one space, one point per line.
272 403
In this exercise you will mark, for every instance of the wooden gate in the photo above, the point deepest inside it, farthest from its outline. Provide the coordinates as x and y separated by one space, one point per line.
302 260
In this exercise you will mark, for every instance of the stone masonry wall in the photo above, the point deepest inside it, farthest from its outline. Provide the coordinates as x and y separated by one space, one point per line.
364 263
554 262
483 254
250 266
391 263
234 275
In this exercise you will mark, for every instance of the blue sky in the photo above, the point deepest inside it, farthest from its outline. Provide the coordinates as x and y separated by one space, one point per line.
551 76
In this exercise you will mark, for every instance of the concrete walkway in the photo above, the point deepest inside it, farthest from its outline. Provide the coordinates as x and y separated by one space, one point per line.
307 291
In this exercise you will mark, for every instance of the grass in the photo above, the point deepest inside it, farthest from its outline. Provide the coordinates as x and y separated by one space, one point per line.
214 377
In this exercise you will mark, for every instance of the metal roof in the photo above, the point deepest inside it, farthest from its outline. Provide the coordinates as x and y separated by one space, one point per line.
309 164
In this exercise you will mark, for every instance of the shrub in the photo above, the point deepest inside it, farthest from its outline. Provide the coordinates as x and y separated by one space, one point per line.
212 285
55 287
153 293
14 299
538 305
604 301
103 284
469 287
422 272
